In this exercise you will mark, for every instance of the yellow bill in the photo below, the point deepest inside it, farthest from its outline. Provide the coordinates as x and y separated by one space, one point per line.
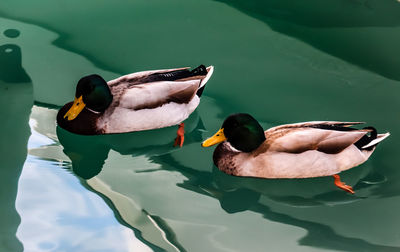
76 108
215 139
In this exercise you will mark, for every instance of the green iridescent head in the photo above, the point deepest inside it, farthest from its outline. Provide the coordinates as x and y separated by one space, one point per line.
242 131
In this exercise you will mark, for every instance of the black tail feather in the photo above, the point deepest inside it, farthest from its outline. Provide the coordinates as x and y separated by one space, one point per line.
200 70
366 139
200 91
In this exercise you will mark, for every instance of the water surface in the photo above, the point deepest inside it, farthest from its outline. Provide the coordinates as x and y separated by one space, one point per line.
281 61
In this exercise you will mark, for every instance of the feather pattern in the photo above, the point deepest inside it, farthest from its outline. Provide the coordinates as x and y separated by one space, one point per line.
152 99
300 137
301 150
152 95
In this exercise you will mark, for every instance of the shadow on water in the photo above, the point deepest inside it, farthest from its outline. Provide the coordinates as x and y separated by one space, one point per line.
16 101
321 236
235 194
88 153
361 32
235 197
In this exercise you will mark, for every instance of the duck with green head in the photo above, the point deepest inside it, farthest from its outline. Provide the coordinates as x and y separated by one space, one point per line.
301 150
135 102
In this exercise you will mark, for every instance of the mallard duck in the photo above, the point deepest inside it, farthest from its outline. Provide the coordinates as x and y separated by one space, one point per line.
135 102
300 150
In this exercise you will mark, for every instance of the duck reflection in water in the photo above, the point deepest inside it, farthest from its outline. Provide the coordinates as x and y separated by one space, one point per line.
238 194
235 194
16 101
89 153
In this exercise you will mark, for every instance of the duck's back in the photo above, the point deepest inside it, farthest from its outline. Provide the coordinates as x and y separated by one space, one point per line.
153 99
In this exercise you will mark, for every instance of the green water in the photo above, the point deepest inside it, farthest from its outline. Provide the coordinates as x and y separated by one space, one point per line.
282 61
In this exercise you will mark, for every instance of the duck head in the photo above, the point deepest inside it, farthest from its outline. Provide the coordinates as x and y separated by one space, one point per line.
92 93
242 131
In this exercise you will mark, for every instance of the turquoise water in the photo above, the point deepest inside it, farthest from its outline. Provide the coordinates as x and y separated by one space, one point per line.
282 61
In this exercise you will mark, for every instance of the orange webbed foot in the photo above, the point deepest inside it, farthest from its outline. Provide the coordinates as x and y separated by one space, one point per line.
342 185
180 138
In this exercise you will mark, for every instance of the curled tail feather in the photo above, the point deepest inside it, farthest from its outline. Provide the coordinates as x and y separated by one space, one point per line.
369 141
209 71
